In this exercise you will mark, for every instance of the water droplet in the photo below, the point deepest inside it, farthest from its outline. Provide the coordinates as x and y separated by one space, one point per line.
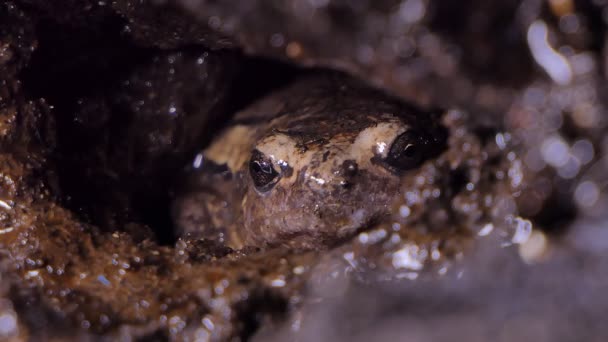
523 229
534 248
8 324
277 40
555 151
277 283
410 256
404 211
487 229
102 279
208 323
586 194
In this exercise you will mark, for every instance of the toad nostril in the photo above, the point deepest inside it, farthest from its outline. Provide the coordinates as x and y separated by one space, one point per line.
346 184
349 169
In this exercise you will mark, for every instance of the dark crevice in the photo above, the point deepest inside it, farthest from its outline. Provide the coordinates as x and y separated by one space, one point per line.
261 307
557 212
80 71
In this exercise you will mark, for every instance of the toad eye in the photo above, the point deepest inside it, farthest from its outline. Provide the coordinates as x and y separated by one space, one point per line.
406 152
262 172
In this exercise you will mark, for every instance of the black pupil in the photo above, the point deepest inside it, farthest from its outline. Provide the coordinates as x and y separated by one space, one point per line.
405 152
262 173
261 166
410 150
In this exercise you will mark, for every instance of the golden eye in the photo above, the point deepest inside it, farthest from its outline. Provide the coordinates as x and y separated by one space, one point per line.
262 172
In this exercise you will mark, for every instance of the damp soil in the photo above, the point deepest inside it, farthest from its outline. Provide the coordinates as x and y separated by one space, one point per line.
103 105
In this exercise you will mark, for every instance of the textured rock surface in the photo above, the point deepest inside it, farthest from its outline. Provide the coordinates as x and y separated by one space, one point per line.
103 103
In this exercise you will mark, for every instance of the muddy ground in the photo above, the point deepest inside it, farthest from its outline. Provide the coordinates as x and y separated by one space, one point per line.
501 237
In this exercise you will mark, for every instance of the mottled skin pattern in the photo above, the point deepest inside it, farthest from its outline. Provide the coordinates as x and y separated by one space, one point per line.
306 167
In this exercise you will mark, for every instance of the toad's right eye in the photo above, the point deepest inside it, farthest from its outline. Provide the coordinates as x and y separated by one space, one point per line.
407 151
262 172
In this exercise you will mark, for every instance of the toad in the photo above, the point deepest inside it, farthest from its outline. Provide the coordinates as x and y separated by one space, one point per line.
307 166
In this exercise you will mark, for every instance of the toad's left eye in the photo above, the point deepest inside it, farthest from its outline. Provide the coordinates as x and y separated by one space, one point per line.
262 172
407 151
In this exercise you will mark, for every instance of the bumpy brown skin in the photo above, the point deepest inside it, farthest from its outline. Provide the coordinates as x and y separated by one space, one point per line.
327 138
